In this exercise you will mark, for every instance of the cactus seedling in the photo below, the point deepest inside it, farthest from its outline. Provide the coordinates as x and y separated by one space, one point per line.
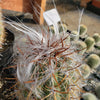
97 90
51 29
81 47
93 61
62 28
88 96
96 37
74 36
85 70
83 29
90 43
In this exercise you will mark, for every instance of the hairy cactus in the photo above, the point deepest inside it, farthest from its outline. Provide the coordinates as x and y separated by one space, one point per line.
96 37
74 36
97 90
90 43
83 30
48 68
88 96
81 46
93 61
85 70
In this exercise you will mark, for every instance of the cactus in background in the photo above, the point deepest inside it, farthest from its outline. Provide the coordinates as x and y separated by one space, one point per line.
2 33
74 36
85 70
96 37
81 47
51 29
93 61
97 90
90 43
6 43
62 28
88 96
83 30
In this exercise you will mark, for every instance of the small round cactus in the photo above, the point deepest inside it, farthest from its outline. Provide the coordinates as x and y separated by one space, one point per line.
83 29
51 29
85 70
97 90
62 28
96 37
74 36
93 61
81 47
88 96
90 43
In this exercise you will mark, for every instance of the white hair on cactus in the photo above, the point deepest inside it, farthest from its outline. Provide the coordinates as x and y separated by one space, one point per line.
45 59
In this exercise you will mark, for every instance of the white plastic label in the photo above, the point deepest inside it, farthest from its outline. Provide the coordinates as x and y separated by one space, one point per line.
51 17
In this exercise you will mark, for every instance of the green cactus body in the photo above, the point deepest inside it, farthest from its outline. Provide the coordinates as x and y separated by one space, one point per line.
81 47
74 36
85 70
89 96
83 30
93 61
90 43
96 37
97 90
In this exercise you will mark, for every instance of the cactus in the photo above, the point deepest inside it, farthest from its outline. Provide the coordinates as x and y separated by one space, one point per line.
48 68
97 90
62 28
2 33
83 30
96 37
88 96
85 70
74 36
90 43
51 29
81 47
93 61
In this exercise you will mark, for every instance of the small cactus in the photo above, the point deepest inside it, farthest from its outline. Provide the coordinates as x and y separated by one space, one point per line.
74 36
62 28
51 29
88 96
90 43
96 37
83 30
97 90
85 70
93 61
81 47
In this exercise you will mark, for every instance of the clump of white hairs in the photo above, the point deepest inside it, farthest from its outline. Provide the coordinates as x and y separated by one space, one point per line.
48 67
